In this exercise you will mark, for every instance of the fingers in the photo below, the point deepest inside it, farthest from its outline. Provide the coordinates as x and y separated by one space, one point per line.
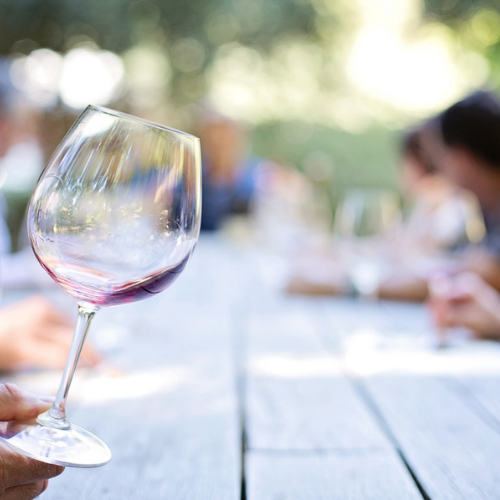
16 404
26 491
458 287
51 350
56 330
22 477
89 356
40 308
18 470
58 340
34 335
449 296
49 355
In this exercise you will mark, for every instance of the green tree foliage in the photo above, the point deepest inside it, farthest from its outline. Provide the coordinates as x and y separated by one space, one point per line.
475 24
117 25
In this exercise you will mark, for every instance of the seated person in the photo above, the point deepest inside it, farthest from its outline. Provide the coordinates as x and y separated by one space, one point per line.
410 244
228 173
444 223
463 142
32 333
440 217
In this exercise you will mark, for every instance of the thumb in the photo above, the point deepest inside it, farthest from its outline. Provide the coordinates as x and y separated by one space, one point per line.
16 404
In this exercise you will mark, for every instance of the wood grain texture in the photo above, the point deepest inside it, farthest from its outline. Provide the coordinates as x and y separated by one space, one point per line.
378 475
482 392
452 451
296 395
167 407
312 414
334 391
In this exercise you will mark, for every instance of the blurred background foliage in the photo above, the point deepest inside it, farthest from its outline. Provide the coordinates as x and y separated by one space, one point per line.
325 85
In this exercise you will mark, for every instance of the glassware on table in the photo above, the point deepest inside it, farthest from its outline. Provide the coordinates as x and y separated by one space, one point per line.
364 220
442 221
455 227
113 219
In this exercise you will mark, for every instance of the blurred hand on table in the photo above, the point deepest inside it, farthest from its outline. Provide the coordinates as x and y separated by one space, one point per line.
467 301
318 275
33 334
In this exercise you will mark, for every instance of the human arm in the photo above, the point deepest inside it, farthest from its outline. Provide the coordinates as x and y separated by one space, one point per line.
466 301
33 334
485 264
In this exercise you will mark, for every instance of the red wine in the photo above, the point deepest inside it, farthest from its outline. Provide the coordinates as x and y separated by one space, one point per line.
108 295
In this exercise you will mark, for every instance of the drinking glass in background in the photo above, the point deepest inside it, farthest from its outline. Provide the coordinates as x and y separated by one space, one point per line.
365 223
113 219
441 226
442 222
455 227
287 213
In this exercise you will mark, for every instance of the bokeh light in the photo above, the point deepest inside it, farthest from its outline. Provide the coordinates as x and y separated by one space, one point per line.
90 76
37 76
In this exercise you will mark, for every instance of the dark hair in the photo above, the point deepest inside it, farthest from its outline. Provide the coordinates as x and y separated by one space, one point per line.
474 124
411 145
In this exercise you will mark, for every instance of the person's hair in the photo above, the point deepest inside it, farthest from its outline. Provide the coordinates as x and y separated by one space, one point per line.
411 145
474 124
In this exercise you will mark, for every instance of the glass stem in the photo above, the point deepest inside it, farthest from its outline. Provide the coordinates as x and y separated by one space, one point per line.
56 415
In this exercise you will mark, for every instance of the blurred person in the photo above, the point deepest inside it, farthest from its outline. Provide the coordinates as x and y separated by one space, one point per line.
22 478
441 218
463 142
6 140
21 160
443 222
33 334
228 172
423 190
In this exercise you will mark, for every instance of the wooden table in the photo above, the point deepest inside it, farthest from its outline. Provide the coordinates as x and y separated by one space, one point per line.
224 388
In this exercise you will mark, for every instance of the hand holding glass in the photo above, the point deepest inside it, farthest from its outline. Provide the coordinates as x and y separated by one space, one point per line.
114 218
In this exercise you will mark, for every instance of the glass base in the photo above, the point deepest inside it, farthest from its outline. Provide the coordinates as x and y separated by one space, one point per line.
73 447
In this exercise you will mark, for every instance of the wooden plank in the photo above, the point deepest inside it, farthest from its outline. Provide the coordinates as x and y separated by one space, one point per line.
451 450
312 414
482 392
165 402
397 338
296 395
309 434
442 427
377 475
408 317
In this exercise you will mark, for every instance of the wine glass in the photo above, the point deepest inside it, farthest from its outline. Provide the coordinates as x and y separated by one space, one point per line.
364 220
113 219
440 225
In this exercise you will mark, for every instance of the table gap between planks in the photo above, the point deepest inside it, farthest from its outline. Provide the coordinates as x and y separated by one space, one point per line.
224 388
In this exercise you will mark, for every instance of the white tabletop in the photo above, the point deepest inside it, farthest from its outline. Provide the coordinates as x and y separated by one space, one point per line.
223 383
